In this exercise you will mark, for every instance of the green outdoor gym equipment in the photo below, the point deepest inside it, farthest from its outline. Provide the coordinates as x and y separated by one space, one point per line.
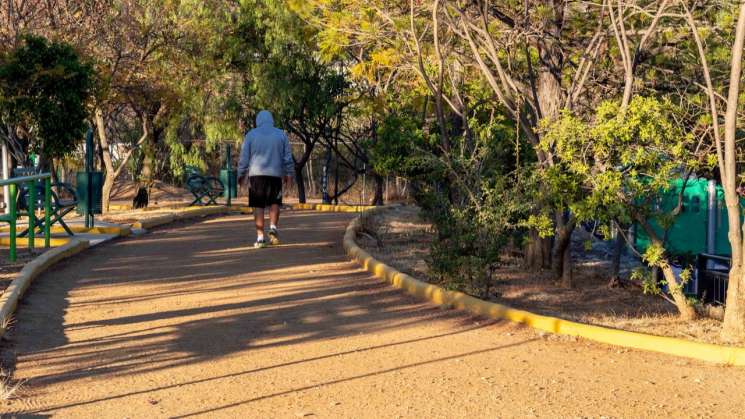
31 183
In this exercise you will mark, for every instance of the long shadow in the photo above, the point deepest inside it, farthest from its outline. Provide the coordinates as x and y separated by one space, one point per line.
356 377
323 296
270 367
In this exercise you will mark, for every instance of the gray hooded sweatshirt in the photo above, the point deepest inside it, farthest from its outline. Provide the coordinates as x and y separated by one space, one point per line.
266 150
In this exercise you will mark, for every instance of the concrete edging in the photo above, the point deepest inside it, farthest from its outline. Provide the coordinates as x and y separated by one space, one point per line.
332 208
19 285
17 288
180 215
438 295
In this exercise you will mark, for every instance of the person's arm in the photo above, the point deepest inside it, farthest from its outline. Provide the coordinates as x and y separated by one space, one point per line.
245 159
288 161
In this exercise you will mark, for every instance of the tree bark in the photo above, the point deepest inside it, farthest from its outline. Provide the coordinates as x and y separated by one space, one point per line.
615 265
687 311
146 178
567 271
675 288
537 252
561 258
300 184
733 328
378 197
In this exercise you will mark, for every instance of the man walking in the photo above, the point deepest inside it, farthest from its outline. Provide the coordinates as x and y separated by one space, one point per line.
266 158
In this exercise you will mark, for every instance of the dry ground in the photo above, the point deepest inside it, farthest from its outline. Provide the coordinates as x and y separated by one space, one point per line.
403 241
190 321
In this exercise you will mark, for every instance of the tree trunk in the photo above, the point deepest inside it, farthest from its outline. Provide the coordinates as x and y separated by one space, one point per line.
300 182
687 311
537 252
145 181
311 178
675 288
615 265
567 272
108 183
561 258
378 197
733 328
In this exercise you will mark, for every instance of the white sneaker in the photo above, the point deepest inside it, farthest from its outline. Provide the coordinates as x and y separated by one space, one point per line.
273 236
260 243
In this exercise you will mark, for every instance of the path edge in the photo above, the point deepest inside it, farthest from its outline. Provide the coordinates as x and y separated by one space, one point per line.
179 215
17 288
435 294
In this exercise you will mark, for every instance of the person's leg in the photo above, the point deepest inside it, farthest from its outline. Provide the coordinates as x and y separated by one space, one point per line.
274 215
274 202
256 199
259 221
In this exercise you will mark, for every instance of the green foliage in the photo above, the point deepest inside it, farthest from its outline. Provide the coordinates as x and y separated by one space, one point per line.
475 197
621 161
470 239
44 90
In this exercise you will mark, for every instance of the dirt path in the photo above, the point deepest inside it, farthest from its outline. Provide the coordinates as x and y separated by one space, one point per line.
191 321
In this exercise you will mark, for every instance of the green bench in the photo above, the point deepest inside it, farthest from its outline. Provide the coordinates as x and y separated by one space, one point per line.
206 189
63 201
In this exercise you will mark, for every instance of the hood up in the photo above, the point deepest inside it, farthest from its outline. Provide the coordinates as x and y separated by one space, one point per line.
264 119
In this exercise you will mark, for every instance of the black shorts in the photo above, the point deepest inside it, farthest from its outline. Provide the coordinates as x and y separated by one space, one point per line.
264 191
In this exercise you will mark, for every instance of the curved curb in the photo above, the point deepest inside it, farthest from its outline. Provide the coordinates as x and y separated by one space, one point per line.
333 208
178 216
16 289
438 295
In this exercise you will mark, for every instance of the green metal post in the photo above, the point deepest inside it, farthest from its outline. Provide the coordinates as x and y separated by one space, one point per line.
31 214
228 163
13 192
89 221
47 212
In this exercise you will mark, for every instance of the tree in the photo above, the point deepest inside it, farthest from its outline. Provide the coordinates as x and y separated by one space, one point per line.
727 152
624 159
44 92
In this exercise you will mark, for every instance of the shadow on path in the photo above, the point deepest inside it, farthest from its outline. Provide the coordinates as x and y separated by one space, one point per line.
191 294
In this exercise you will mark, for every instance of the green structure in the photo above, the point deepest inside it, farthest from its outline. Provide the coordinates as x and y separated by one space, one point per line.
89 186
11 217
701 227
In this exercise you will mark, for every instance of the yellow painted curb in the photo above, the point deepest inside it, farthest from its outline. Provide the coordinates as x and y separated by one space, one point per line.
120 207
184 214
332 208
438 295
38 241
118 230
16 289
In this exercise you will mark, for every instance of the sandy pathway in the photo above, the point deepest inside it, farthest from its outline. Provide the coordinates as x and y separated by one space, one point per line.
190 321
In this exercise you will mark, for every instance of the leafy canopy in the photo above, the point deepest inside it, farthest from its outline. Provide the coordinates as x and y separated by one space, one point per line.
44 90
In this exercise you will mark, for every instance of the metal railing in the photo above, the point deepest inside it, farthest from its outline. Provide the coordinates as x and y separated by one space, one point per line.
12 216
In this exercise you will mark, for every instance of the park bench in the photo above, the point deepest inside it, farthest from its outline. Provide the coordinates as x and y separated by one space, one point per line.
63 201
206 189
